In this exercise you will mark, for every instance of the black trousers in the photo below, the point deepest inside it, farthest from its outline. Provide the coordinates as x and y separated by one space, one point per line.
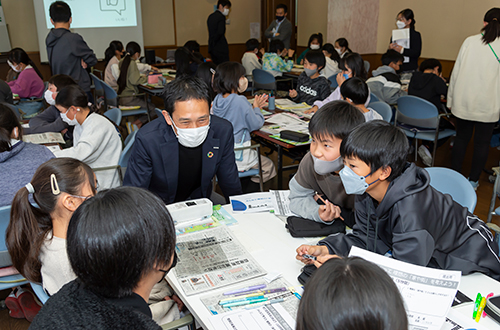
482 137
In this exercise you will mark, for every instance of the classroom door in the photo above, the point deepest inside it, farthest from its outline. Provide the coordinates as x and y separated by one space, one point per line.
269 14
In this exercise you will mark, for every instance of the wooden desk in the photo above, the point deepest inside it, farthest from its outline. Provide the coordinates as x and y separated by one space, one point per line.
164 65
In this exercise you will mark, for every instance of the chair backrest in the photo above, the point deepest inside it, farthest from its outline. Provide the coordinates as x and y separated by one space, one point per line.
333 81
373 98
96 81
448 181
125 155
109 94
40 292
4 222
367 66
115 115
13 108
383 109
263 80
416 111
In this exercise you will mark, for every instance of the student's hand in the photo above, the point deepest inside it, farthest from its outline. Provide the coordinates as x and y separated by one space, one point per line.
276 34
329 211
322 259
292 93
396 47
291 52
312 110
64 131
340 78
313 250
84 65
260 101
302 62
154 68
179 302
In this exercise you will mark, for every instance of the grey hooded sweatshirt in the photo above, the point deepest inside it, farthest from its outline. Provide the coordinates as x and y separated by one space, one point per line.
421 226
65 51
385 84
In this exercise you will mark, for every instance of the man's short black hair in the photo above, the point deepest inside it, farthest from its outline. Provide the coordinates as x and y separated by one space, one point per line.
355 89
117 237
252 44
185 88
392 56
430 63
276 46
227 77
224 3
316 57
336 118
282 6
379 145
60 12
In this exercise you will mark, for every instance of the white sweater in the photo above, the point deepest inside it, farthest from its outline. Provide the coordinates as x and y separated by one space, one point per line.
56 269
331 68
96 143
250 62
474 92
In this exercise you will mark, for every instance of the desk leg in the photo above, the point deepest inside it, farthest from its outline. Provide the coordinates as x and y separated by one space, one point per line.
280 167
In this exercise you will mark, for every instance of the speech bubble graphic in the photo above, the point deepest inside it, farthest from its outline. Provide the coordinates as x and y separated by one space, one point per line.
113 5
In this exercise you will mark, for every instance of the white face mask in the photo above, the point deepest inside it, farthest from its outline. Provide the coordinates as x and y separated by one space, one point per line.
225 12
401 25
314 47
339 51
243 85
323 167
71 122
13 67
48 97
191 137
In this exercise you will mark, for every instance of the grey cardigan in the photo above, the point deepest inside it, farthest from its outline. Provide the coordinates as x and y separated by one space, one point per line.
285 31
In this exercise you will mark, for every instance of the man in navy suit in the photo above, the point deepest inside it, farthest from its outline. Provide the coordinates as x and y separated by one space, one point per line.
216 23
177 155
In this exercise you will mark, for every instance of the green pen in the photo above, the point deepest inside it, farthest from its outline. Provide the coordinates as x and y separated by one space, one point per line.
243 303
476 305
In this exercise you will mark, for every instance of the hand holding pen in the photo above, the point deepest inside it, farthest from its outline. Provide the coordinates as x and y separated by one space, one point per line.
329 211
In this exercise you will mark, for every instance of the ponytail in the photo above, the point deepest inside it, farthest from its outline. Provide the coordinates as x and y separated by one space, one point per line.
132 48
30 226
110 51
492 30
8 121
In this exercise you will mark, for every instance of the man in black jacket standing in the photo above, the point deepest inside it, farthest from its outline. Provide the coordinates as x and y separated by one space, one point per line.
217 43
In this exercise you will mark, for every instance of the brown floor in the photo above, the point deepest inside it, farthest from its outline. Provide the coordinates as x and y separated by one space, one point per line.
442 160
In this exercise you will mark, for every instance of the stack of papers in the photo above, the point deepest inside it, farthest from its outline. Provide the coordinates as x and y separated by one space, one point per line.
296 108
285 121
274 200
42 138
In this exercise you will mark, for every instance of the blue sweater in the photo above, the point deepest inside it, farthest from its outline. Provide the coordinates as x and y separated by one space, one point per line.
18 166
236 109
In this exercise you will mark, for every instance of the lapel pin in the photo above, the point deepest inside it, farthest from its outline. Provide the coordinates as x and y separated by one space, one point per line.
210 154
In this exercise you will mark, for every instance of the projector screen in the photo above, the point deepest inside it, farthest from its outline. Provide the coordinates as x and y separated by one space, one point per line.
97 21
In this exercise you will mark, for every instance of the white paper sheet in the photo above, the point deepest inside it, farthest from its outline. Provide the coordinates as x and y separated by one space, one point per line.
281 202
42 138
402 38
252 203
427 292
269 317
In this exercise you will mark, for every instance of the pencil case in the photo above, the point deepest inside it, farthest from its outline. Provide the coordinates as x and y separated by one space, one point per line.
294 136
153 78
492 308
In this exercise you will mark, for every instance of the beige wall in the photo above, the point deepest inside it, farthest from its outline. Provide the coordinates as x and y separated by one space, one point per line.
444 24
311 18
158 22
355 20
20 18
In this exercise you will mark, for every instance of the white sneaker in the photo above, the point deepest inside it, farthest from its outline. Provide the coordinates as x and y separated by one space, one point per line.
425 154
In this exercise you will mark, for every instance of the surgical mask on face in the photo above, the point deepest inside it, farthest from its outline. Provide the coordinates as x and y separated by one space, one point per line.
13 67
323 167
279 18
401 25
339 51
70 122
48 97
191 137
225 12
310 72
354 184
314 47
243 85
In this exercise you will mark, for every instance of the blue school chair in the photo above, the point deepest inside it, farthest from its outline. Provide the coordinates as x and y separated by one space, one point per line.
13 108
448 181
253 171
419 120
115 115
263 80
333 81
367 66
383 109
373 98
98 89
11 281
40 292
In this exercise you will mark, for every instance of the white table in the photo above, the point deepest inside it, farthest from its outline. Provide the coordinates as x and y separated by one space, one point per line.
266 239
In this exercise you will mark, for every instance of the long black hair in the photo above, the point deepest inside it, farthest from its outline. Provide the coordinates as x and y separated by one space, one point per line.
355 62
183 58
328 47
73 95
8 121
492 30
114 46
344 43
132 48
18 55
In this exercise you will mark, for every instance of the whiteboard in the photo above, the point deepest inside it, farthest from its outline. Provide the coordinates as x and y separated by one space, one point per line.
4 34
126 25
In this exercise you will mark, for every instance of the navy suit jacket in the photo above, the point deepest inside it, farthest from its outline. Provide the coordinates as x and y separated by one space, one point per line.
154 162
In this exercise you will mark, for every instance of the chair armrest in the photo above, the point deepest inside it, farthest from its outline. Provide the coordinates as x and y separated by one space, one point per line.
253 146
186 320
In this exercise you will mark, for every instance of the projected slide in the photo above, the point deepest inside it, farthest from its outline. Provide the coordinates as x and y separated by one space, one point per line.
98 13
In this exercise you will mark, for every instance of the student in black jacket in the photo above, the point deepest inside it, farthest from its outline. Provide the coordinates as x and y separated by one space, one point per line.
217 43
405 20
428 82
397 210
